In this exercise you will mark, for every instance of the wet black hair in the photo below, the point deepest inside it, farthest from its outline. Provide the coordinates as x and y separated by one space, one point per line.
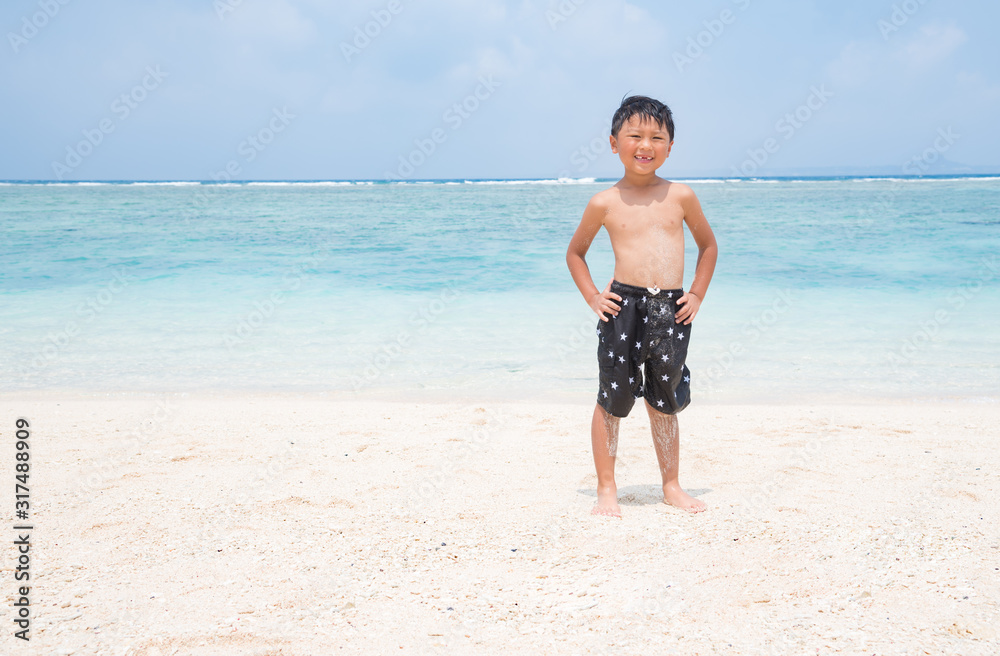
646 108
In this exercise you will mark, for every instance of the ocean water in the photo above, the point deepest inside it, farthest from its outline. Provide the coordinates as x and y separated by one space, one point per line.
851 289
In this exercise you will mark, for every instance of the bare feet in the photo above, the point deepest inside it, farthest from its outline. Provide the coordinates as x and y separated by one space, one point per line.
675 496
607 503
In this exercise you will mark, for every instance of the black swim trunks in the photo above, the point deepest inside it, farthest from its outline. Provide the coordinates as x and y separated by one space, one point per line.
643 334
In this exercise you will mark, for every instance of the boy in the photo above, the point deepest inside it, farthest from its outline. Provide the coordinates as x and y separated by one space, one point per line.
650 313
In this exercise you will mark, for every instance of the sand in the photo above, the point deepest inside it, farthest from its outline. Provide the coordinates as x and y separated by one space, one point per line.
245 523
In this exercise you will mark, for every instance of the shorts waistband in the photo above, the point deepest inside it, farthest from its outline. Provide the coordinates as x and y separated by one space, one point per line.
632 290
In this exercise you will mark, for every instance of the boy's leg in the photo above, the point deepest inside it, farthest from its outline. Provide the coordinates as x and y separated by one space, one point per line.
666 441
604 438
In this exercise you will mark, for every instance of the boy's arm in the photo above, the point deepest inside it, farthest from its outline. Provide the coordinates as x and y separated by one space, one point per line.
600 302
708 253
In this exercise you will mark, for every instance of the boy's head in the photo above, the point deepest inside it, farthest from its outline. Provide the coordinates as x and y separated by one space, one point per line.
642 134
646 109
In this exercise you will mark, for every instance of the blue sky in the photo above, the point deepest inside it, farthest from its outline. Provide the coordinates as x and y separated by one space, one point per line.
460 89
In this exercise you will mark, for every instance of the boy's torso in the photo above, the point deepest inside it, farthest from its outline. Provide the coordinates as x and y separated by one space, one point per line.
646 227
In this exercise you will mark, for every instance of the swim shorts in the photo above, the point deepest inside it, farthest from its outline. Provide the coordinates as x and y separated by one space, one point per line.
644 334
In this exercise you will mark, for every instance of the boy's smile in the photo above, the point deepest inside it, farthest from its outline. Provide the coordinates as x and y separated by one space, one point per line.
642 146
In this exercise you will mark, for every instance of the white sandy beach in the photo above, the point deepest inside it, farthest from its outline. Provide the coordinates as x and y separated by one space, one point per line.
280 524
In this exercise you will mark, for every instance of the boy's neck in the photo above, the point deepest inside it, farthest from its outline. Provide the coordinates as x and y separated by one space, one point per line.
640 180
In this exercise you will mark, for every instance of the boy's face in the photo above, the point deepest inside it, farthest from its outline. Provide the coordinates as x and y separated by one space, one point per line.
642 145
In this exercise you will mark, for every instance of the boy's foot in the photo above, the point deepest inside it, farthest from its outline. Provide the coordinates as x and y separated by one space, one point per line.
675 496
607 503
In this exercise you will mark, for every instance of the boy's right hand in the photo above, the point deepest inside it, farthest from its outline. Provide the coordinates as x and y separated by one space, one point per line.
601 303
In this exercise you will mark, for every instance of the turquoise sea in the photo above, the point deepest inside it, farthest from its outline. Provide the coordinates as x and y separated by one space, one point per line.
837 289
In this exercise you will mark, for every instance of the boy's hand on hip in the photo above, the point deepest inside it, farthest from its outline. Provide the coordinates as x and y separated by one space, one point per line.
601 303
691 304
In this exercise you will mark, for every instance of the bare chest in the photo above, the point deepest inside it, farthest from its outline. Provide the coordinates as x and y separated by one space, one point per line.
655 222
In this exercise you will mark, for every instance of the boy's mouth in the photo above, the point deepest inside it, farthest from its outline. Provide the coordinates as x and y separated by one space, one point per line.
643 159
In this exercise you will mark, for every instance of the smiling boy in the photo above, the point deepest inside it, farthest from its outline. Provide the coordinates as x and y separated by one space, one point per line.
643 343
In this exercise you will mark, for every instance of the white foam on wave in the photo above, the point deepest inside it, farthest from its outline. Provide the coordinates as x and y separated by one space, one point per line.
311 183
175 183
548 181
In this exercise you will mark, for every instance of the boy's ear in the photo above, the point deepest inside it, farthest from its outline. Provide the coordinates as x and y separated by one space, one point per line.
614 144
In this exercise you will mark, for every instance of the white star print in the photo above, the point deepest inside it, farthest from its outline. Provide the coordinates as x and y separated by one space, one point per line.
643 300
666 377
670 331
623 337
638 345
614 385
626 302
665 357
611 354
605 394
670 295
621 358
680 335
687 379
631 381
659 404
645 319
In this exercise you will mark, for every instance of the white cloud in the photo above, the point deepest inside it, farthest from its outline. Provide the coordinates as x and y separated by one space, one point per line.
276 21
854 66
933 42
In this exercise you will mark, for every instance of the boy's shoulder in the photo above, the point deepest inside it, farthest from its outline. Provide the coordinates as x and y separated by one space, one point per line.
665 189
605 197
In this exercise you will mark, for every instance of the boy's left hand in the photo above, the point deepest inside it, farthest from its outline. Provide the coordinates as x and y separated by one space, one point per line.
690 303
